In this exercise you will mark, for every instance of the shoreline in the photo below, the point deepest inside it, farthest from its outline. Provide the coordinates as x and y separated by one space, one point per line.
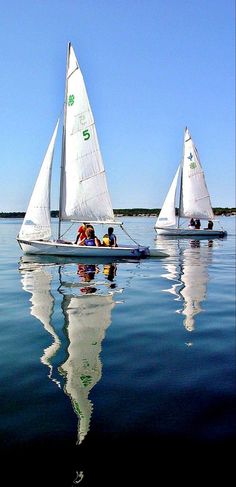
137 212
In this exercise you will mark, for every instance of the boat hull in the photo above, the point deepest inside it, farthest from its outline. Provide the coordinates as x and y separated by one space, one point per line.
69 249
185 232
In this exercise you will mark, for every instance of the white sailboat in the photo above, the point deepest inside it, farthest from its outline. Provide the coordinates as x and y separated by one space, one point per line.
84 195
194 198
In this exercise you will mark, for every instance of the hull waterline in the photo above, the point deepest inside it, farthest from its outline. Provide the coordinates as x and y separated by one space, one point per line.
190 233
72 250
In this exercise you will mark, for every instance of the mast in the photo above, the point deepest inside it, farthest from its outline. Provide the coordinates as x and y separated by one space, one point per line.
63 142
181 183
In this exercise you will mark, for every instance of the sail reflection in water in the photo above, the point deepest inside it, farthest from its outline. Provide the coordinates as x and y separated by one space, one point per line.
190 273
87 318
37 279
86 314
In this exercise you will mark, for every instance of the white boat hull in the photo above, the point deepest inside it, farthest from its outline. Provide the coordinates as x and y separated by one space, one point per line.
186 232
69 249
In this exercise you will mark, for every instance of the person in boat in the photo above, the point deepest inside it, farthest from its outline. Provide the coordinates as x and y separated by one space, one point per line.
210 225
197 224
90 226
91 239
81 234
192 224
109 239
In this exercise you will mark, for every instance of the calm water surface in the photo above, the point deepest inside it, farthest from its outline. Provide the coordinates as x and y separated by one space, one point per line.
109 369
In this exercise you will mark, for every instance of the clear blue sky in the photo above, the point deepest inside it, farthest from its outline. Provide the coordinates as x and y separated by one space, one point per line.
151 67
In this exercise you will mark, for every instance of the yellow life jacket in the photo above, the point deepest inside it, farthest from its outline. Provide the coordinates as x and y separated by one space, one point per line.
106 240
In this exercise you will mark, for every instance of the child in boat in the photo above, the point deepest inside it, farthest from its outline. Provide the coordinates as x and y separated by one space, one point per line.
192 224
210 225
91 239
81 234
109 239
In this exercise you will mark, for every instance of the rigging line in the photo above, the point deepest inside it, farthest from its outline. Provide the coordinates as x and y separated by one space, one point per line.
222 228
67 229
93 176
69 75
202 197
125 231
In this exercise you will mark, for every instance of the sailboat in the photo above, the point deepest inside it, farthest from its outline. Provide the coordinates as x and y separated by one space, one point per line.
194 198
84 195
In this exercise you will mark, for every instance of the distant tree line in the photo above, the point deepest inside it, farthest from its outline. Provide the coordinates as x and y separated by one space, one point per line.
124 212
155 211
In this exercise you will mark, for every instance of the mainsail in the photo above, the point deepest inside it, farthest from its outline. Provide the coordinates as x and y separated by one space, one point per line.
84 193
37 222
195 199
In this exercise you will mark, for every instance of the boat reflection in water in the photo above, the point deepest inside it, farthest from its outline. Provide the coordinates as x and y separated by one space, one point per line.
189 271
87 306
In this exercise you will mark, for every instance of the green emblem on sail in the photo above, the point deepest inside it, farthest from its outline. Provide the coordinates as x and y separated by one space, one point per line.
193 165
71 100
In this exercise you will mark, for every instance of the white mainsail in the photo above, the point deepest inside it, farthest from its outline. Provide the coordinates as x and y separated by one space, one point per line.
167 217
37 222
84 192
195 199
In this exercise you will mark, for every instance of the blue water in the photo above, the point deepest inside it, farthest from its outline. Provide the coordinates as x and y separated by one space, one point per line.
110 371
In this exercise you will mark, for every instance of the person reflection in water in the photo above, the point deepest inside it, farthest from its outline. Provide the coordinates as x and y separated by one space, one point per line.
194 243
109 270
87 274
88 290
